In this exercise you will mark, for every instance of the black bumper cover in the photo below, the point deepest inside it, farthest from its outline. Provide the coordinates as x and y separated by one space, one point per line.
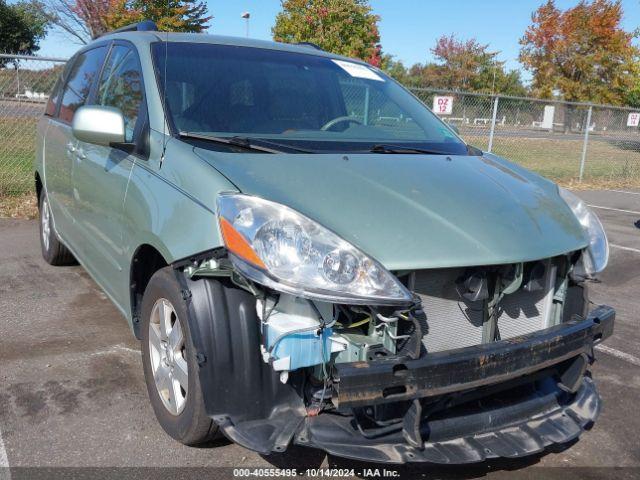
244 396
364 383
542 419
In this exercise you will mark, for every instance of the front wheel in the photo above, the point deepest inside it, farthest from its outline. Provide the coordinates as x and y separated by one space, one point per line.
170 367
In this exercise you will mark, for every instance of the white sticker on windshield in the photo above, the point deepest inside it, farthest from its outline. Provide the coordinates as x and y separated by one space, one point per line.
357 70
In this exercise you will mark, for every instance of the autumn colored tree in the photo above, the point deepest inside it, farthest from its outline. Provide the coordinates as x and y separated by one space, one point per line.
465 65
169 15
582 53
345 27
83 20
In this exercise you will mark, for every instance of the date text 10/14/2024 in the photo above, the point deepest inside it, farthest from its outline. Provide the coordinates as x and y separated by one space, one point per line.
316 472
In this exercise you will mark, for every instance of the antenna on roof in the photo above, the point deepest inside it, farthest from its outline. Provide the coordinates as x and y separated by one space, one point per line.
246 16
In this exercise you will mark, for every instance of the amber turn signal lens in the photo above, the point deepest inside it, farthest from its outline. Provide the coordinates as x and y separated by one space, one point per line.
237 244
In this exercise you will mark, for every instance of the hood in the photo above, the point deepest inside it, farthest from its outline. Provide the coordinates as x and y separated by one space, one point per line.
416 211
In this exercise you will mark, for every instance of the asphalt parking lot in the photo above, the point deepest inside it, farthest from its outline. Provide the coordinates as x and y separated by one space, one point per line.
72 391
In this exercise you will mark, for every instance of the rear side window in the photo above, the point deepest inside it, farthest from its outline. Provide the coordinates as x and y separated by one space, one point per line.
54 98
121 86
50 110
81 78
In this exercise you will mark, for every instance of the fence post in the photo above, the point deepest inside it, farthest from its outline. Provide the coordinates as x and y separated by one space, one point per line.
586 141
493 123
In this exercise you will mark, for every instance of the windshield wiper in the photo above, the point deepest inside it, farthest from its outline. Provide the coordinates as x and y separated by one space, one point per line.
386 148
258 145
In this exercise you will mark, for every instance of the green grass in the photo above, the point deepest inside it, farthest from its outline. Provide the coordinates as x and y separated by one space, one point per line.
17 153
558 159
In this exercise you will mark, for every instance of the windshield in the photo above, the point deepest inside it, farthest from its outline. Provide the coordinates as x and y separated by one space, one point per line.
302 100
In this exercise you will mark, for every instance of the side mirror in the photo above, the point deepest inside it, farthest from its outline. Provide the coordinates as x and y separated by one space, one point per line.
99 125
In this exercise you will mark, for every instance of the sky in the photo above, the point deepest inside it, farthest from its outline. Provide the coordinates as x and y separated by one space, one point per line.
408 28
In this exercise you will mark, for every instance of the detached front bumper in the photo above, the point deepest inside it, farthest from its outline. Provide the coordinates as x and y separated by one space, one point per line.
509 398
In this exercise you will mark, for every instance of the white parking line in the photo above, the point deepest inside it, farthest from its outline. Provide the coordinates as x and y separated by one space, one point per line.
615 209
622 191
5 474
628 249
618 354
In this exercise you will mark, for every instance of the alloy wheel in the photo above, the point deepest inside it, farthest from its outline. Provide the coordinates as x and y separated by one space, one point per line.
167 350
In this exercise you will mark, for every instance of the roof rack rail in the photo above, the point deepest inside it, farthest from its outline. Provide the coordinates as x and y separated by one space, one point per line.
144 26
309 44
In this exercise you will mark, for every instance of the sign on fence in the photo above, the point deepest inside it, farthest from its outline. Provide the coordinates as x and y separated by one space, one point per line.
633 120
443 105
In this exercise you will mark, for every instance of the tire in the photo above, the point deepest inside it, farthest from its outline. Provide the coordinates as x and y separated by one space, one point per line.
180 412
53 251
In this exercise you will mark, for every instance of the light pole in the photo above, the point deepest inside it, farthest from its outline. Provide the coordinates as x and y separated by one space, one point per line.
246 16
495 68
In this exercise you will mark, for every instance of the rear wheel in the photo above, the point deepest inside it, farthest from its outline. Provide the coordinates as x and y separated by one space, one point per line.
170 367
53 251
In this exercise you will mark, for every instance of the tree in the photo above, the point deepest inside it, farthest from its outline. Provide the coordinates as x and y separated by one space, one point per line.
395 68
582 53
466 65
633 95
21 28
345 27
83 20
169 15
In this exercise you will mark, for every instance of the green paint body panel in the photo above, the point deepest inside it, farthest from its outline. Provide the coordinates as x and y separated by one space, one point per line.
407 211
417 211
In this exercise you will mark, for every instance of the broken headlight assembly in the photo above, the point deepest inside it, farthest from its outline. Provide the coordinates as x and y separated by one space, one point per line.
277 247
598 250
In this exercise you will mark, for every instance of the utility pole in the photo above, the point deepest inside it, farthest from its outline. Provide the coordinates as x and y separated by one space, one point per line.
585 142
246 16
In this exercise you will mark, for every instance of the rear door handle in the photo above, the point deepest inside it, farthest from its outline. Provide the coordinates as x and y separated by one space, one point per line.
80 154
71 147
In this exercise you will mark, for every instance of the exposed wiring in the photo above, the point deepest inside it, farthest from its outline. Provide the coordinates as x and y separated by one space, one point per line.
266 314
384 319
292 332
360 323
323 325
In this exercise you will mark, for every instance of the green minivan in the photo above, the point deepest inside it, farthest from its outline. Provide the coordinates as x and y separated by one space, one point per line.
310 256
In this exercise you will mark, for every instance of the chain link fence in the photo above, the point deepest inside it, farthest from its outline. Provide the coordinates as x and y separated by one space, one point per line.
567 142
25 83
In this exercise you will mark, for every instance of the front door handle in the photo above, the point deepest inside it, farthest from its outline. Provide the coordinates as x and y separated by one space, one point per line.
80 154
71 147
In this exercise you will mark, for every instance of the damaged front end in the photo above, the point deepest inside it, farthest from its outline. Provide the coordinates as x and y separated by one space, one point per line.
481 362
303 338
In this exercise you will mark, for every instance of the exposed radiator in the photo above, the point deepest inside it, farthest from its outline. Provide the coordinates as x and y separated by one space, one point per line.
525 312
454 322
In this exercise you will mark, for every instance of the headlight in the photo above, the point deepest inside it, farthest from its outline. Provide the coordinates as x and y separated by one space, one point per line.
598 249
278 247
